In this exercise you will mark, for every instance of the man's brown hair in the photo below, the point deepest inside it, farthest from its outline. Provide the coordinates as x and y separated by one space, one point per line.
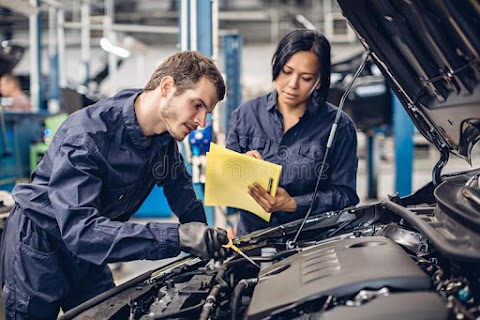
187 68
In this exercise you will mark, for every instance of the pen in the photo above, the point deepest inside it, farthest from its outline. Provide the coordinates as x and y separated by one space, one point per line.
269 187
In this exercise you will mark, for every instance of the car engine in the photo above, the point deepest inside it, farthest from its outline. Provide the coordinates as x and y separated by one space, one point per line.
416 257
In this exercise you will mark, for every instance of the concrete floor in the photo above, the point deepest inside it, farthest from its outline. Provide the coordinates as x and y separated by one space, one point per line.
422 164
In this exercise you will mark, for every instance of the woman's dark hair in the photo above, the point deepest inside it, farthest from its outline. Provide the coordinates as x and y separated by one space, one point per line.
305 40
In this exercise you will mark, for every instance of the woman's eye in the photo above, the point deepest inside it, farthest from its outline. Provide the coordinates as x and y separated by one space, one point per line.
307 79
197 105
286 71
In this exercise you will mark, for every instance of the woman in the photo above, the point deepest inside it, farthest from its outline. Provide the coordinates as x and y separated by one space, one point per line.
290 127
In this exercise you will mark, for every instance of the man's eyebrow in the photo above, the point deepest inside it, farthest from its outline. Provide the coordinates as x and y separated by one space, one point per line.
205 105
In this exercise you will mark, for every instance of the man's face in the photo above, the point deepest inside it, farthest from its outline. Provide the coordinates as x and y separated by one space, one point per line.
184 113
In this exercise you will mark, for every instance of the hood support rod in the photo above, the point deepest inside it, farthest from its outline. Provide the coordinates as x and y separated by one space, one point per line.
330 142
437 170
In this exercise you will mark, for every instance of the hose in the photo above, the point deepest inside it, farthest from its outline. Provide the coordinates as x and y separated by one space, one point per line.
237 294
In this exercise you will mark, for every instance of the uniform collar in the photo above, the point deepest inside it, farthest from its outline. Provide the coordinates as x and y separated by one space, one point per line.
272 100
133 128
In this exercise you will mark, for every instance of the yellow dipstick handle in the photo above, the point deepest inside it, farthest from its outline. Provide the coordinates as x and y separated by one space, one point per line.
230 245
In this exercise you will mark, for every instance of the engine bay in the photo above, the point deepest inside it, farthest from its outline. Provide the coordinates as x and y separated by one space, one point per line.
393 259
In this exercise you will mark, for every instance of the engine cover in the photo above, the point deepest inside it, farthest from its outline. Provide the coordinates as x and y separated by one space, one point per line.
410 305
337 268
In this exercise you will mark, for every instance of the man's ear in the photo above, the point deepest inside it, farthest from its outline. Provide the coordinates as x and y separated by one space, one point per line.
166 85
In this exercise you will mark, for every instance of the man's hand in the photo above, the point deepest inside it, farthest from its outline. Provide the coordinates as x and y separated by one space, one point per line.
202 241
281 202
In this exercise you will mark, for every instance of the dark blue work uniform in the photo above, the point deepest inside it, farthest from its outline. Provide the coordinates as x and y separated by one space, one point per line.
258 125
69 222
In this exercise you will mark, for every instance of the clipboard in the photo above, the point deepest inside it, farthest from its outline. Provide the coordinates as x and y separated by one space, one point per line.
228 175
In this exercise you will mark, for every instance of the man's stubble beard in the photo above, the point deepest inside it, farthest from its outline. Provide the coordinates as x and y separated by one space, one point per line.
167 115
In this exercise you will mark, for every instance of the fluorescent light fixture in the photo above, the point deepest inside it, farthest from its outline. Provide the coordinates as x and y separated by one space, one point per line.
109 47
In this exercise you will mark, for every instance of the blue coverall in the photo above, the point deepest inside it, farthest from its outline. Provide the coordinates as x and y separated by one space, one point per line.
258 125
69 222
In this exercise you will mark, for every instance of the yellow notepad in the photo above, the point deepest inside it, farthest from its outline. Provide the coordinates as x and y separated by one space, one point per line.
228 175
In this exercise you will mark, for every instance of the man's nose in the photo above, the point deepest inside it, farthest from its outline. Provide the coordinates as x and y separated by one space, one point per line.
201 118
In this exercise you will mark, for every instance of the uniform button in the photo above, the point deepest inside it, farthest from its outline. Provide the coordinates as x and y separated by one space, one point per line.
121 197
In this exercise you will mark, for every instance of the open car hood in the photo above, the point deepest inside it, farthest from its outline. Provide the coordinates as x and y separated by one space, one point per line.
429 52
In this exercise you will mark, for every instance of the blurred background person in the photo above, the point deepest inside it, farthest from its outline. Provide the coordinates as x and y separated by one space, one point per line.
16 99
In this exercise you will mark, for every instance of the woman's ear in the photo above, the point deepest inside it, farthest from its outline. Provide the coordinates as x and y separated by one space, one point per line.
318 83
315 86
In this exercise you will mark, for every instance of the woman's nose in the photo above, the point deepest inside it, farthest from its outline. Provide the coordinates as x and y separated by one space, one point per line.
293 82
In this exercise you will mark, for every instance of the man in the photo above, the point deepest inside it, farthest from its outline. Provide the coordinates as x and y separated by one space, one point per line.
10 88
70 221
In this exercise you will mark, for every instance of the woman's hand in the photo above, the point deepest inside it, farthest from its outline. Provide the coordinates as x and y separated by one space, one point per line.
281 202
254 154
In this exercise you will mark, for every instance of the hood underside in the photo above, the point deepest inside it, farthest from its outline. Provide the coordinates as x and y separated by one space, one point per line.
429 52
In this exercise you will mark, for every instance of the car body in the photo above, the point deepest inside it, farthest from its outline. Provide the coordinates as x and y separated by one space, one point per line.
412 257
